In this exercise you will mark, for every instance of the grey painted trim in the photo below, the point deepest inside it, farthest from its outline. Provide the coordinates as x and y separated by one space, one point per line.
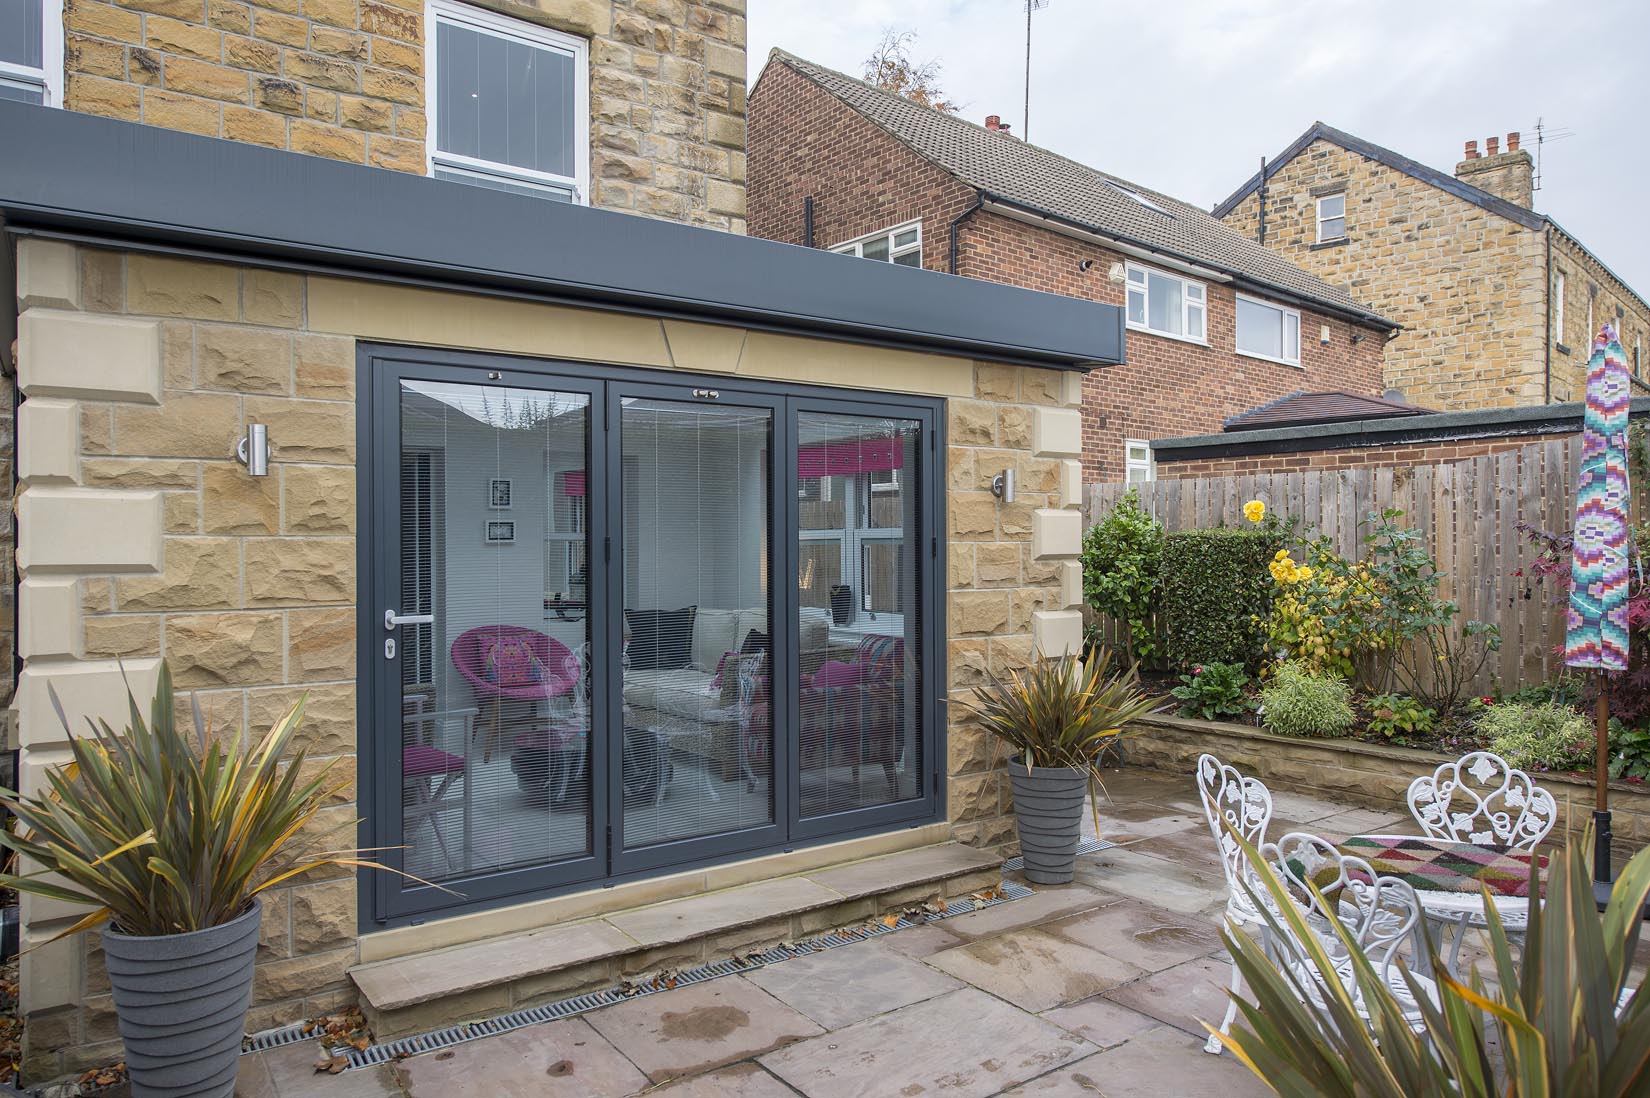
1396 161
86 173
1547 419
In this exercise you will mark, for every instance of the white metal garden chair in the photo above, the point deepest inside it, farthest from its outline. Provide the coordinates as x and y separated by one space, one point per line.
1480 799
1244 803
1383 914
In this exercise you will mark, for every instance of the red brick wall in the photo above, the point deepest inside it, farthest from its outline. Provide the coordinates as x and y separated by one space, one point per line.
803 141
1402 455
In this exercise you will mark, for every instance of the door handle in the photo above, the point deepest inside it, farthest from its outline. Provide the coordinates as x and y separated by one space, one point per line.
392 619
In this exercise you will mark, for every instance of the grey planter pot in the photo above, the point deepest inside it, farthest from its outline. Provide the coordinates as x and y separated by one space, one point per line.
181 1003
1048 809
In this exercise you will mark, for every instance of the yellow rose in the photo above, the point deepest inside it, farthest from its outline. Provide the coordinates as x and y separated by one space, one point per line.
1254 510
1281 554
1304 573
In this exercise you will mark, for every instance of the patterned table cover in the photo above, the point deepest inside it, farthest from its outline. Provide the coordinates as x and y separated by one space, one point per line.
1440 865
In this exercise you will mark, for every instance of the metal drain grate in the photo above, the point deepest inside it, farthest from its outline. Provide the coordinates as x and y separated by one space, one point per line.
1087 846
579 1004
274 1038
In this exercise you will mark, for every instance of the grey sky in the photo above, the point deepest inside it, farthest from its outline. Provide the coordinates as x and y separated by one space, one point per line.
1186 96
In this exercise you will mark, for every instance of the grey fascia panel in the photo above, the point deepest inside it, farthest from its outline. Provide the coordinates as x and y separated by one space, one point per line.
75 171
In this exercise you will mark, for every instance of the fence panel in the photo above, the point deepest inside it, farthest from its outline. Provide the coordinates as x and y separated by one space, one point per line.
1468 511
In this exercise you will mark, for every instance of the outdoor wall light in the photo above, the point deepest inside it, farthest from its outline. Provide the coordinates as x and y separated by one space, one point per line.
253 450
1002 485
1083 265
1323 335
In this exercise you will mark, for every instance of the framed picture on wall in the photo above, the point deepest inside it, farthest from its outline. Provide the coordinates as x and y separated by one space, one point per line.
499 493
500 533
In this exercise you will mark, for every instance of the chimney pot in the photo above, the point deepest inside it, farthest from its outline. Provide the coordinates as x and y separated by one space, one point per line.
993 121
1472 151
1492 145
1512 142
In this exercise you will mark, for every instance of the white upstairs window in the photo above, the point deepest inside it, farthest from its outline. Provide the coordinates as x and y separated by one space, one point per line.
902 244
1166 304
1268 331
31 51
1331 217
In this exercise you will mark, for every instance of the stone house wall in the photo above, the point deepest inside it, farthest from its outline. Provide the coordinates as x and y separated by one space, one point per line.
1587 281
346 79
804 142
142 538
1465 283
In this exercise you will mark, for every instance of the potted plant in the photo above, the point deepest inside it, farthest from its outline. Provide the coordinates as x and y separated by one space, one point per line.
1056 716
170 843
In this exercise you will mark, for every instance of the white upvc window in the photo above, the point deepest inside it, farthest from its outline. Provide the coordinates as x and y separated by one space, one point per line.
902 244
31 51
1268 331
1558 307
508 103
1331 217
1137 461
1591 330
1166 304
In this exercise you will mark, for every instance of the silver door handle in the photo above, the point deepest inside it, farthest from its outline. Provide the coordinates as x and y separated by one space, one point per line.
392 619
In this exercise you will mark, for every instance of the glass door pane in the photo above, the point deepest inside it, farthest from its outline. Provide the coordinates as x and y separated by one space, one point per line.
494 691
697 529
858 614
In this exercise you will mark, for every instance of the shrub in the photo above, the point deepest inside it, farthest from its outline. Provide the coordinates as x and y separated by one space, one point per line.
1400 715
1549 737
1122 561
1215 589
1314 608
1299 703
1629 751
1214 691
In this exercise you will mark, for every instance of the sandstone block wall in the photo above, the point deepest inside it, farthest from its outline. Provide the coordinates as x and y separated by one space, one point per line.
346 79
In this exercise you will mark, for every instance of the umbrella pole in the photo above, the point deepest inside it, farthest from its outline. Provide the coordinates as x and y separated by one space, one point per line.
1602 877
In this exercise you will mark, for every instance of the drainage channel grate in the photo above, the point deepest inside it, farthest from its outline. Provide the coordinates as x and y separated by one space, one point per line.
1087 846
579 1004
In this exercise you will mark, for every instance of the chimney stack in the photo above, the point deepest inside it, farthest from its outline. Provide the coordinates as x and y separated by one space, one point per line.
995 122
1506 173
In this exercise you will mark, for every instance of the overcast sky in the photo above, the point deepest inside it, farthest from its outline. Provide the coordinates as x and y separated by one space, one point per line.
1186 96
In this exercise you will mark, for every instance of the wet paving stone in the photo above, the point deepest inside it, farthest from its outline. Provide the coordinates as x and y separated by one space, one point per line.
1147 937
1033 970
1157 1064
841 986
564 1059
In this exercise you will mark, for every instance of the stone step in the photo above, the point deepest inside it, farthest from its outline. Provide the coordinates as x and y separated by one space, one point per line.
425 991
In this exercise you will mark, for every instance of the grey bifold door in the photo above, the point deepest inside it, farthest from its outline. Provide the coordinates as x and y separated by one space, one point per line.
620 626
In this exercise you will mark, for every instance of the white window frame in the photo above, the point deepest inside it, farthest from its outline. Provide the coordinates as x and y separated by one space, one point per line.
1558 307
503 26
1592 330
856 246
1341 217
49 76
1187 305
1286 314
852 540
1132 463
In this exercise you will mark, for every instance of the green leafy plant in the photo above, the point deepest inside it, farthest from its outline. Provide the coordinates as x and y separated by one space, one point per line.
1440 665
1629 750
1400 715
1122 572
1214 691
1552 1027
159 835
1298 703
1215 590
1547 737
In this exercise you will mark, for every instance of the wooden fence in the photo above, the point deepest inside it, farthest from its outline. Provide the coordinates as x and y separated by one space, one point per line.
1469 511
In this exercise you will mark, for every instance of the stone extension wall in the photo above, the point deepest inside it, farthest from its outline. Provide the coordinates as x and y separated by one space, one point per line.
804 142
346 79
1466 284
141 537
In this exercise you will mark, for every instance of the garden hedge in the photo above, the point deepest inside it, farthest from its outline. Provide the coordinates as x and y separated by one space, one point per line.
1215 585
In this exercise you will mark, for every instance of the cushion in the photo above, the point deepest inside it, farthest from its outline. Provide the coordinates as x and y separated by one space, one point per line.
510 661
713 635
837 673
660 639
882 657
740 668
756 641
815 624
754 619
420 761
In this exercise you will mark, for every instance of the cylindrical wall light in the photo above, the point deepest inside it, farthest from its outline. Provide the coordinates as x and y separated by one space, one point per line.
253 450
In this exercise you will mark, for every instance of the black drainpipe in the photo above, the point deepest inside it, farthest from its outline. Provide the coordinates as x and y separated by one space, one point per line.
808 222
956 225
1547 351
1262 239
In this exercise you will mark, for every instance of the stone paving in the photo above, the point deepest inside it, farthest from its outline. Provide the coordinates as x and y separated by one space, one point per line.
1093 988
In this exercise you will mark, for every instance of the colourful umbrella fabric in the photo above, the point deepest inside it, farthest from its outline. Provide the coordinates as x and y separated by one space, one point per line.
1596 624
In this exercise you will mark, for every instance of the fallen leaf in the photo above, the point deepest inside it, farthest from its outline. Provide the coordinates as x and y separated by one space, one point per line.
445 1054
331 1065
891 920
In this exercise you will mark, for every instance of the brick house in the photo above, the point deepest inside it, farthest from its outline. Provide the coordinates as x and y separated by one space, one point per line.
536 468
1499 303
1216 323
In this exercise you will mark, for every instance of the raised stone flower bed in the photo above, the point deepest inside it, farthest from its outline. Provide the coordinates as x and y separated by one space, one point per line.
1351 770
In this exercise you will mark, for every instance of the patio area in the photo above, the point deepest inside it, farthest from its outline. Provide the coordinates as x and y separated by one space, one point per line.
1092 988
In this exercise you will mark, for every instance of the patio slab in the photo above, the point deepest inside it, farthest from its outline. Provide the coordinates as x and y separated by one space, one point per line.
920 941
288 1071
1101 1022
907 869
1048 903
965 1044
1181 995
1035 970
1149 938
697 916
1140 1068
564 1059
841 986
695 1029
739 1081
1124 871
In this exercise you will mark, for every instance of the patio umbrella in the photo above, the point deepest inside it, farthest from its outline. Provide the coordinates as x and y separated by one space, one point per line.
1596 622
